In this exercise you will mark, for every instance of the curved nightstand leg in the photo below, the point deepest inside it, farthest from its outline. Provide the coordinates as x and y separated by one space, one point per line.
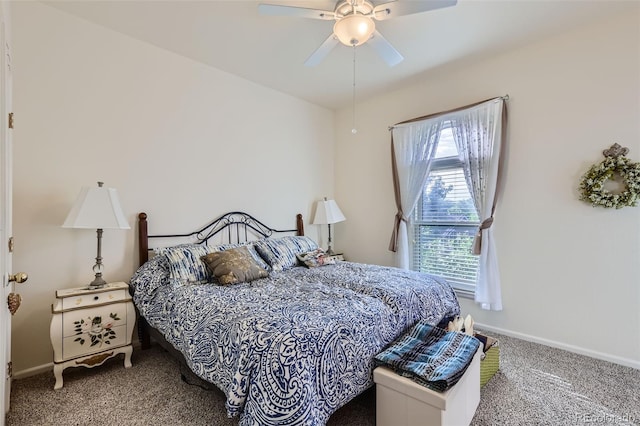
127 356
57 372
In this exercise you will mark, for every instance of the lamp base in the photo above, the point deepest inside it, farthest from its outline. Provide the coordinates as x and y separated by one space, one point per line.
98 282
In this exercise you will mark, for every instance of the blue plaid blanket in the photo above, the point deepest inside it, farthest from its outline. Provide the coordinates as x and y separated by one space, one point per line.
430 356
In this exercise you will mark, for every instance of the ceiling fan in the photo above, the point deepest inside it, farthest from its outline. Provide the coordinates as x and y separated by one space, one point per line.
355 23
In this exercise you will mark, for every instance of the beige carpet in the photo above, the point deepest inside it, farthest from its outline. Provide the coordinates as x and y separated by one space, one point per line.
536 385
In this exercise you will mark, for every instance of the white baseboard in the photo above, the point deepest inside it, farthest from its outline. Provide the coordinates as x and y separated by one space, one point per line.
33 371
49 366
570 348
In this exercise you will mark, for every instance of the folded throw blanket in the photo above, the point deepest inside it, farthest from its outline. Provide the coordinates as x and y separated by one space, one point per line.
430 356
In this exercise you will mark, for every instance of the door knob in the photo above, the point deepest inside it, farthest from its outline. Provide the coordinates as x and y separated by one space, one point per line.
20 277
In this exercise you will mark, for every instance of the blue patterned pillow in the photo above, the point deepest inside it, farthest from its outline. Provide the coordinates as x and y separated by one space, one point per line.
280 253
187 267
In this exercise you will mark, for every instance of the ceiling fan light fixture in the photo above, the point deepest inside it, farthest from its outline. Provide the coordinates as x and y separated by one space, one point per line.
354 29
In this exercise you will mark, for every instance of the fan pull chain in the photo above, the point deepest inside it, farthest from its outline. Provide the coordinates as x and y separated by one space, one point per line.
353 129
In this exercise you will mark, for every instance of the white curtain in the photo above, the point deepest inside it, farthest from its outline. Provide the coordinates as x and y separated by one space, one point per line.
478 134
413 146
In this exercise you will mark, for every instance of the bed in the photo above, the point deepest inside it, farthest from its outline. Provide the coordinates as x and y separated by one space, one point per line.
289 348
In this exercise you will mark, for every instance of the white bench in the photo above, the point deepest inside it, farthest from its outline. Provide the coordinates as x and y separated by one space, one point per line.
402 402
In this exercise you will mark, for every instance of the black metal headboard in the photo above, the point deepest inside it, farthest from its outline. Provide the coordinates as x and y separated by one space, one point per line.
236 225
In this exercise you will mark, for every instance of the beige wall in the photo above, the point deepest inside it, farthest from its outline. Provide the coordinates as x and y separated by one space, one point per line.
570 273
179 140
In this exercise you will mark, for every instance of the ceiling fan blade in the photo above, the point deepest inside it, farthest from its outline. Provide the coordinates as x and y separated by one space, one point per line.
300 12
389 53
322 51
408 7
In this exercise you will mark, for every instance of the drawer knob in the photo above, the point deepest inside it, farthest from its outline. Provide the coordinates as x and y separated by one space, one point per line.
96 297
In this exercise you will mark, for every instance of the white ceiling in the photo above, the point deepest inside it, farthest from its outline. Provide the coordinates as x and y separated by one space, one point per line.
268 50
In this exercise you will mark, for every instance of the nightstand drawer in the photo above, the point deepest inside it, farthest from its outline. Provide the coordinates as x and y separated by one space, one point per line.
86 321
98 340
91 299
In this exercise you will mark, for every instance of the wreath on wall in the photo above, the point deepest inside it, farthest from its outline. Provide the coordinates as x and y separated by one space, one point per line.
615 167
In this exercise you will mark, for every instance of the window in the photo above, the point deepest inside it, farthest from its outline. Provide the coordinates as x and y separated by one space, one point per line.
436 236
445 220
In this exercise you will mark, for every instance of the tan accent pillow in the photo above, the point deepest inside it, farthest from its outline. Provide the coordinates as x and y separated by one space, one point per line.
234 266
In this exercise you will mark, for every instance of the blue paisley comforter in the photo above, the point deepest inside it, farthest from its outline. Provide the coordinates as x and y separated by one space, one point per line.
292 348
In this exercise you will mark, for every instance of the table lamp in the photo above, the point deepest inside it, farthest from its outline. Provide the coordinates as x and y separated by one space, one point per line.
328 212
97 208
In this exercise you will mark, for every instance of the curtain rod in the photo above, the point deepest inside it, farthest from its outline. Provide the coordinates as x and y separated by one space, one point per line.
504 98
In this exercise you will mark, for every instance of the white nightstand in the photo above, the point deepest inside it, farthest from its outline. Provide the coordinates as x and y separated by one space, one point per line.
339 257
90 326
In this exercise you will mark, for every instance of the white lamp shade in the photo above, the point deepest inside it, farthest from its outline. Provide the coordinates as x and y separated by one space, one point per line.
327 212
355 29
96 207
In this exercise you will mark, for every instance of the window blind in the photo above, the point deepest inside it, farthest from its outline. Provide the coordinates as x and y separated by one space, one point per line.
446 198
445 223
445 250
